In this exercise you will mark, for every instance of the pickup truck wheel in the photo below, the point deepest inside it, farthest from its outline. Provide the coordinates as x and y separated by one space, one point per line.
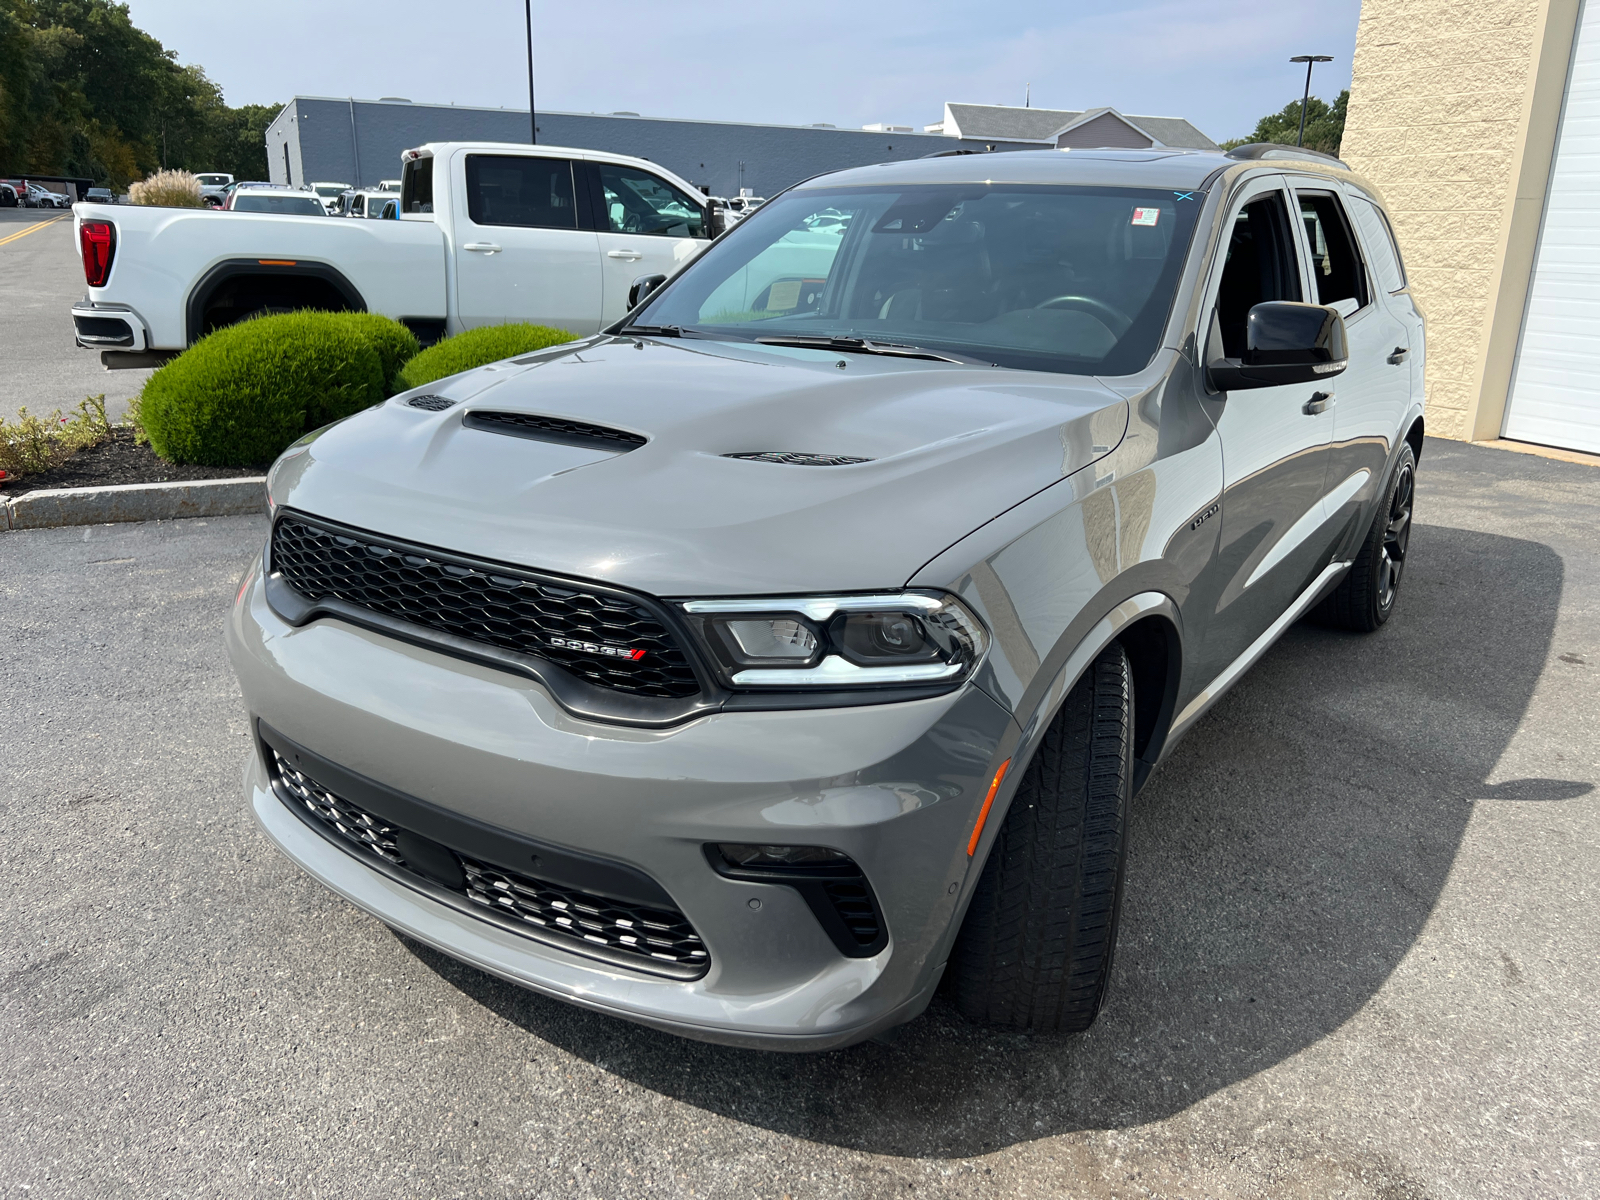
1035 949
1366 597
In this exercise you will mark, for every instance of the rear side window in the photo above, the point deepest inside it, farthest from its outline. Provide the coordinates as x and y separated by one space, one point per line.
1261 266
637 202
517 190
1335 262
416 186
1377 235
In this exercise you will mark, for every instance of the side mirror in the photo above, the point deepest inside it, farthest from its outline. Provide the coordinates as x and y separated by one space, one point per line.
641 289
716 222
1285 342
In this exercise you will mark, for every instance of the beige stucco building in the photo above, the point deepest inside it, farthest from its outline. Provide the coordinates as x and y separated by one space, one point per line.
1480 121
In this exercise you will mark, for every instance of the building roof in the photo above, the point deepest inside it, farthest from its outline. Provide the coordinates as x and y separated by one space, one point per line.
1005 123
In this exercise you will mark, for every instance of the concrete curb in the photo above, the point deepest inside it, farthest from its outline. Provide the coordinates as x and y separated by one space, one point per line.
48 508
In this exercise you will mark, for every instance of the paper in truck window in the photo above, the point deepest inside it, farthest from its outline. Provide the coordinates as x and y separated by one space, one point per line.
1146 216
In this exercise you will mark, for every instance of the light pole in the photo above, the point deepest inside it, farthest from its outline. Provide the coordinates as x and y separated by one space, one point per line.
1309 60
533 113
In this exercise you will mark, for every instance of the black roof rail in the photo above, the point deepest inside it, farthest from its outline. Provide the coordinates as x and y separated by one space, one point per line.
1275 150
987 149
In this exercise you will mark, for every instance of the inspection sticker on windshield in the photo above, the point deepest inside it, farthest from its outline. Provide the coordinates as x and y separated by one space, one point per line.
1146 216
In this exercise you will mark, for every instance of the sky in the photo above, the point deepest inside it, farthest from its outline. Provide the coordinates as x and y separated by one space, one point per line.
1223 64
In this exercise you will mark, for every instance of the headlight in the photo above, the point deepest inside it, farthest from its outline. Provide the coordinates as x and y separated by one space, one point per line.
904 638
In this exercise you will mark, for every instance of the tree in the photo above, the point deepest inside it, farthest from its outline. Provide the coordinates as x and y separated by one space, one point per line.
83 91
1324 125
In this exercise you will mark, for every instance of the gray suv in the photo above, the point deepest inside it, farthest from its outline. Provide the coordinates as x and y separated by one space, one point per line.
796 647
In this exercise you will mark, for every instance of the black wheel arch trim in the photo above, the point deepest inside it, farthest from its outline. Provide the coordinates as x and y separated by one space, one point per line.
234 268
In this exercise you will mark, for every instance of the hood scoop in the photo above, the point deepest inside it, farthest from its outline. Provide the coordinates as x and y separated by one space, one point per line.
555 429
430 403
798 458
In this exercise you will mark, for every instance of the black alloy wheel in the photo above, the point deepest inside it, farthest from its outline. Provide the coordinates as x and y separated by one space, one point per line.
1396 536
1366 597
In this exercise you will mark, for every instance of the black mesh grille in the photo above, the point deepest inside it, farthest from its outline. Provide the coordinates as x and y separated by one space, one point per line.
554 429
650 934
797 458
430 403
598 636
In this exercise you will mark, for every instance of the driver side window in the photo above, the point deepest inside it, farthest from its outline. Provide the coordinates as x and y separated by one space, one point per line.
1260 266
637 202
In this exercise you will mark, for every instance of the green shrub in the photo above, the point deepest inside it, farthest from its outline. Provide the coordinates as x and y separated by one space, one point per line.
238 397
32 444
396 345
475 348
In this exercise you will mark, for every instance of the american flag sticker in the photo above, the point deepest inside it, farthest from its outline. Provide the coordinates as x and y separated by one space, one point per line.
1146 216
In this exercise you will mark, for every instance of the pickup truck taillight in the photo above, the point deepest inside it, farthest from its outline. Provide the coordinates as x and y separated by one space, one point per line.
99 242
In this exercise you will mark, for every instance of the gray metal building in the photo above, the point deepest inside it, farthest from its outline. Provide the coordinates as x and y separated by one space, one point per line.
318 138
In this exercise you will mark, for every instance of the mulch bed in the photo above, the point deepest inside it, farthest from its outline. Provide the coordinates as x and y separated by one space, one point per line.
118 461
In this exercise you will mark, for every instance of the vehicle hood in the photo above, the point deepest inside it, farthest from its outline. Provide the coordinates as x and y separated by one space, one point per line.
951 447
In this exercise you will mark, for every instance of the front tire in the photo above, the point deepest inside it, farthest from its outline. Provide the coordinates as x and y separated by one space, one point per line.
1366 597
1035 949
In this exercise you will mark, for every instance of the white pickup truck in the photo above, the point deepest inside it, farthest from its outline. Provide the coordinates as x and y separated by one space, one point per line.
487 233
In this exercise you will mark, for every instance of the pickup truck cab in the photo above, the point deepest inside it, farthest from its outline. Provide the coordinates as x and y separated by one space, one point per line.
487 233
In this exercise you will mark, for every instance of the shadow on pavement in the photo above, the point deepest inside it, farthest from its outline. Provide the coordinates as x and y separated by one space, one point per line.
1282 864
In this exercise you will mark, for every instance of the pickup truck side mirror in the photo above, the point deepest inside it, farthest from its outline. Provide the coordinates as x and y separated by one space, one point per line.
1285 342
641 289
716 220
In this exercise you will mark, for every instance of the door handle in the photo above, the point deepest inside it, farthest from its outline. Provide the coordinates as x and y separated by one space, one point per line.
1318 403
626 255
1399 355
482 247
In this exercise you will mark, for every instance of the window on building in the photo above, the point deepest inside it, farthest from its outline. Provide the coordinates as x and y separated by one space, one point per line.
520 190
1335 263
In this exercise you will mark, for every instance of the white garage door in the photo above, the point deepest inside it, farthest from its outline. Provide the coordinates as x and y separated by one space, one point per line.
1555 385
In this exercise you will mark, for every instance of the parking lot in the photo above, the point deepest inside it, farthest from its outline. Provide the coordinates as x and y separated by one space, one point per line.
1359 955
40 366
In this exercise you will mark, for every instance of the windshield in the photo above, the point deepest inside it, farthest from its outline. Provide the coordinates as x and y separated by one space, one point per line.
329 189
212 180
1069 279
305 206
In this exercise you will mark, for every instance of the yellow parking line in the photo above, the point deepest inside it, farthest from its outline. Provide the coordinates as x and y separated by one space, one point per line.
21 233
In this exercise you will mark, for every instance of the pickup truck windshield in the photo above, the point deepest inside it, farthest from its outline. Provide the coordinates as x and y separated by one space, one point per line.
1069 279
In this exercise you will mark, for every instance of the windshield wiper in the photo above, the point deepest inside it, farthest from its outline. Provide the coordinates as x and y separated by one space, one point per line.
857 345
682 331
654 330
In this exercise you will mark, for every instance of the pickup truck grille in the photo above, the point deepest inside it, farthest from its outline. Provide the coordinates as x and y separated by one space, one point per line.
594 633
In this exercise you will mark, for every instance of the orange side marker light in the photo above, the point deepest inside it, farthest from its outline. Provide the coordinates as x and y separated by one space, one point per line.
983 813
277 262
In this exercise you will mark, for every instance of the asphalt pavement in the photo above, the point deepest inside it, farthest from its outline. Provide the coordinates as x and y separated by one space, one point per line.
41 367
1359 958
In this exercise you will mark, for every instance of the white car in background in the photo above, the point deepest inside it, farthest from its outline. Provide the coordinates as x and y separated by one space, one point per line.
283 202
330 193
372 203
486 233
213 187
39 197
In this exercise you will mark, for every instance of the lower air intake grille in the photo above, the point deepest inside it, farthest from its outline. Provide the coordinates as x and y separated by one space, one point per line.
595 633
852 900
657 940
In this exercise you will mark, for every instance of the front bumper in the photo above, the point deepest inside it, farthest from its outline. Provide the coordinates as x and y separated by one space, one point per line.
896 786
